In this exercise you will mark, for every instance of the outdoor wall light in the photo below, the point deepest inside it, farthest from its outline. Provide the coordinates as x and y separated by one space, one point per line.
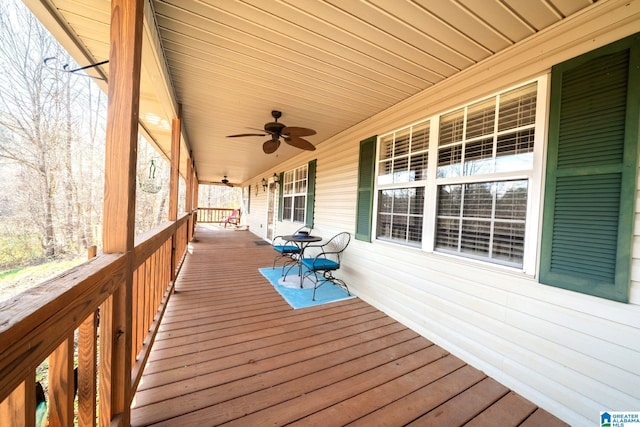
264 184
276 178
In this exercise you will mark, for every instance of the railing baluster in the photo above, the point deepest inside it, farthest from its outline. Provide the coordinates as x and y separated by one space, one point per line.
87 362
148 295
61 384
135 297
104 383
20 406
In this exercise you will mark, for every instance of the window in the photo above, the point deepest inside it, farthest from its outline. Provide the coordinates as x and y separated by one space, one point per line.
402 170
467 192
473 142
400 214
480 216
294 202
483 220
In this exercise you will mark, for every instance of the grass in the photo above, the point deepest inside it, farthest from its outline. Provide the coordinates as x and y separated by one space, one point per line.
9 273
18 280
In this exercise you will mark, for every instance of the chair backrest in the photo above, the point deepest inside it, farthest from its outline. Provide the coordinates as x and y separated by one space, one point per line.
336 245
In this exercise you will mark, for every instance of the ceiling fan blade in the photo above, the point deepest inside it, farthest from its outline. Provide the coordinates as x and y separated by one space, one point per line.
259 130
246 134
270 146
296 131
303 144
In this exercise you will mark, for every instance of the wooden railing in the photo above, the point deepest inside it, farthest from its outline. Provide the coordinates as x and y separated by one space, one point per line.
214 215
42 322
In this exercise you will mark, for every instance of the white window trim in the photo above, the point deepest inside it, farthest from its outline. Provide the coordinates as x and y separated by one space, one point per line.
409 184
535 206
535 177
294 194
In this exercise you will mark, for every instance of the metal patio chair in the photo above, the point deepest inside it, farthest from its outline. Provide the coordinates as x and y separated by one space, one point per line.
326 262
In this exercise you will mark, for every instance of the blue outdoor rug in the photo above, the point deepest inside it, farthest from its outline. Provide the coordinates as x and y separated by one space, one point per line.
301 298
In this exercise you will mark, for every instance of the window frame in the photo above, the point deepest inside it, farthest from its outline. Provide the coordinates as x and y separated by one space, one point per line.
398 185
533 175
293 177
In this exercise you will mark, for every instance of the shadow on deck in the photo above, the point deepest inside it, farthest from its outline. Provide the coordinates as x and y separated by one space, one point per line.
231 350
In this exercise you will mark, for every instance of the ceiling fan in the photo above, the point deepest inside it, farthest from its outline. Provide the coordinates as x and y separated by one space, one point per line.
224 181
290 135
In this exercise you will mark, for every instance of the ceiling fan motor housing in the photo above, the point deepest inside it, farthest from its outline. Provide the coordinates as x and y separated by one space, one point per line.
274 127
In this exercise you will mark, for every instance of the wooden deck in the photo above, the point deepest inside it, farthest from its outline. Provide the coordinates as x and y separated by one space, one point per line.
231 351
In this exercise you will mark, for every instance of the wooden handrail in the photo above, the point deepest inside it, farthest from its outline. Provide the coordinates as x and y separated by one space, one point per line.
42 321
214 215
34 323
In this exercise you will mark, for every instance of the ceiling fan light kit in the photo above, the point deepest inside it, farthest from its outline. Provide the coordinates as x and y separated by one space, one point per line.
290 135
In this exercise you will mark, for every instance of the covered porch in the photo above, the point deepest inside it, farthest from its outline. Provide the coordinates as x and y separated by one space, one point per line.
215 343
230 350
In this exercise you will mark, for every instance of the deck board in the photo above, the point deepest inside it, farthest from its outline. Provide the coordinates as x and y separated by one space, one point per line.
231 351
464 406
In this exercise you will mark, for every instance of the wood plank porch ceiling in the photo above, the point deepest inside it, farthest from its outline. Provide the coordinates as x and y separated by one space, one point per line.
231 351
326 64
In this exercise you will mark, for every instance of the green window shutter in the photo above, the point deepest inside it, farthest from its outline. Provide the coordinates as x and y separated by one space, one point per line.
311 192
280 196
364 204
591 172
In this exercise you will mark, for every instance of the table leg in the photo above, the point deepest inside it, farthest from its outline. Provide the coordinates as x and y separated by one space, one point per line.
302 247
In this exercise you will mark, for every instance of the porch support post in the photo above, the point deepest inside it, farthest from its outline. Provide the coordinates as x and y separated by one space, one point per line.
195 199
174 177
196 188
189 192
176 127
119 206
189 197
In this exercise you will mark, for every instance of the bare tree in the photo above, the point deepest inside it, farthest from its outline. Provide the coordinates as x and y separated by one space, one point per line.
25 101
52 145
42 113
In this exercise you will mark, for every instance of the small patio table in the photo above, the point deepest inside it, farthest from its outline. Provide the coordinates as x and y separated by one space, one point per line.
302 241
